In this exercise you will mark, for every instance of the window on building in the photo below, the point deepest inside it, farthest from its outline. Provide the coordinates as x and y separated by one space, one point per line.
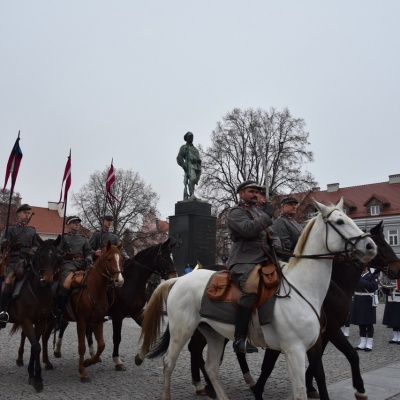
393 237
375 210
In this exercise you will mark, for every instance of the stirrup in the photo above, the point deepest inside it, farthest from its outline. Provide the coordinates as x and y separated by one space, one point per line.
243 346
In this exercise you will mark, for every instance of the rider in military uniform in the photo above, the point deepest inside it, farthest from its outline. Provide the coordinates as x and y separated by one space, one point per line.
189 159
76 255
286 227
22 243
100 238
248 225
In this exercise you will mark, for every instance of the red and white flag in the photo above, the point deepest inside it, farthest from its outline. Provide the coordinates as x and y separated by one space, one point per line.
109 182
66 180
13 164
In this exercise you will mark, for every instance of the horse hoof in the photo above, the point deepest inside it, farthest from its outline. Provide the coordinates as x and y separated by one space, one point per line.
49 366
210 392
38 386
57 354
87 363
313 395
85 379
120 367
361 396
138 360
20 363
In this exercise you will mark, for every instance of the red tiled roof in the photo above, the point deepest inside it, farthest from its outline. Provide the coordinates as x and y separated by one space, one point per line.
46 221
358 196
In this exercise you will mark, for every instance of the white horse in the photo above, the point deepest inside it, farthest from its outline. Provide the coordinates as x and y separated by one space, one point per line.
295 324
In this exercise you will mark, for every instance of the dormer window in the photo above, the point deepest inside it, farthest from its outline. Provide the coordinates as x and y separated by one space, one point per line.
375 210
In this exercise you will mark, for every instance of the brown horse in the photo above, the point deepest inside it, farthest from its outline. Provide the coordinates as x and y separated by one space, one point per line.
88 306
31 309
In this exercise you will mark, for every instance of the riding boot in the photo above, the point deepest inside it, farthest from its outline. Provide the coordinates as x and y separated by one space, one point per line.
5 301
368 345
363 342
242 319
61 304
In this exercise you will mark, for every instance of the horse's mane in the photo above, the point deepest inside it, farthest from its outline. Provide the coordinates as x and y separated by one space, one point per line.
146 251
301 242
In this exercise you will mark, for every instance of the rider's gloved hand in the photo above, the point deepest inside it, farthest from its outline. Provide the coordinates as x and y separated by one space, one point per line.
268 208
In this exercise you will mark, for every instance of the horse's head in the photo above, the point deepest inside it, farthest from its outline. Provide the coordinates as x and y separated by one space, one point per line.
111 260
386 258
342 235
45 261
159 258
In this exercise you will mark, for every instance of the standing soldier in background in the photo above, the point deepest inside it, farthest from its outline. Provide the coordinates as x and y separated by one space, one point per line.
100 238
189 159
21 244
76 255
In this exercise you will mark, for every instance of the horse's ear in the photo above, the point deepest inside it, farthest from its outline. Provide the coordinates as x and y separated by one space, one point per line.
319 206
340 204
108 245
57 241
377 229
170 243
40 240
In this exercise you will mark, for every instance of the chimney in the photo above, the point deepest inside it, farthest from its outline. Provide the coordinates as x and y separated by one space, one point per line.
333 187
57 207
394 178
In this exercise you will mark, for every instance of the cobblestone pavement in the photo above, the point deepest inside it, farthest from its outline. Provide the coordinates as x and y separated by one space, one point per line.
145 382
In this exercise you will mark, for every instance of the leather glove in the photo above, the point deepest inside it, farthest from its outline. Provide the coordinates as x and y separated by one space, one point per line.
269 209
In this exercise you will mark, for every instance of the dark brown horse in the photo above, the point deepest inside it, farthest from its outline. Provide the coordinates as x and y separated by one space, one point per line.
31 309
130 299
89 305
336 308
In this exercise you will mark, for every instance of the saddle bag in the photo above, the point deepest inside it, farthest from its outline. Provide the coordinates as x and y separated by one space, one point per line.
219 285
270 276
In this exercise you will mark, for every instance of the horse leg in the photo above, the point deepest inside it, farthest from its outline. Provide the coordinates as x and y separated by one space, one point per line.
270 357
81 330
216 345
244 367
89 339
316 368
117 327
34 367
57 348
296 365
20 359
98 334
343 345
45 344
196 346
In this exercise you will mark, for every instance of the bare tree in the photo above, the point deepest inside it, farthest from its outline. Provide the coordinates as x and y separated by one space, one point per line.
4 203
136 200
235 154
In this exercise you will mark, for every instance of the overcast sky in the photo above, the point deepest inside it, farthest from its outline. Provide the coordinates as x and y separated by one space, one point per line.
127 79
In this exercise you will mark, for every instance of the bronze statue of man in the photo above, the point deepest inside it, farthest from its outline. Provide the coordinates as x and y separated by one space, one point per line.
189 159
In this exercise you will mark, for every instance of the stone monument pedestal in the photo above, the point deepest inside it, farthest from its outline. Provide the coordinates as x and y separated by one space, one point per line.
194 230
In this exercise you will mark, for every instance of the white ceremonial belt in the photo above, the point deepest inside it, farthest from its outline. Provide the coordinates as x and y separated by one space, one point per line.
363 294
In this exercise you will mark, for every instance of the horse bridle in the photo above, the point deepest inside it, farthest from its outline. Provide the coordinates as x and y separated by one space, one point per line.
164 272
36 259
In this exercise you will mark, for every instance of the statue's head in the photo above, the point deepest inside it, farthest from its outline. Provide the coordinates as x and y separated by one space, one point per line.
188 136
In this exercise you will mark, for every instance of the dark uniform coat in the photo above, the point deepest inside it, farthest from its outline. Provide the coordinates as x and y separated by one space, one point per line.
391 315
289 231
22 241
76 253
100 239
362 310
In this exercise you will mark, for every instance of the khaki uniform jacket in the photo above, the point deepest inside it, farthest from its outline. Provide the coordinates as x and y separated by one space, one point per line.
100 239
289 231
247 226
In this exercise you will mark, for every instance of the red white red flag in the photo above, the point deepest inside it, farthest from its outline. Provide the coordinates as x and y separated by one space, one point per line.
13 164
66 180
109 182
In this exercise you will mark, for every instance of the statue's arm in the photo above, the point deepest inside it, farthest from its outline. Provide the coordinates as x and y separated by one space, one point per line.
180 159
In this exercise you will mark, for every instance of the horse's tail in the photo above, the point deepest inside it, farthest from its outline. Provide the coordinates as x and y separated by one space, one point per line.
152 316
15 328
162 345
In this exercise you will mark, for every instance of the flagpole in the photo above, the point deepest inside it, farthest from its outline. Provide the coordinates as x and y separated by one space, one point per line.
13 170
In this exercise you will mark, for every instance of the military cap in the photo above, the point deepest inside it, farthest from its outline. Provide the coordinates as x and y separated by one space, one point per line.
248 184
107 217
72 219
24 207
287 200
187 134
